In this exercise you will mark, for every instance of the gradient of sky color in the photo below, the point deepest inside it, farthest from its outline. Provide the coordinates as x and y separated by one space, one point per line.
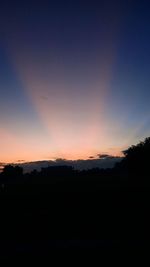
74 78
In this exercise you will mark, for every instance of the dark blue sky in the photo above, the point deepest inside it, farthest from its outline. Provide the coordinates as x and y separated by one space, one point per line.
74 77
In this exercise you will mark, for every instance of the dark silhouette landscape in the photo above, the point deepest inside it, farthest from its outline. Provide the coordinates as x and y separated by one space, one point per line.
74 115
59 207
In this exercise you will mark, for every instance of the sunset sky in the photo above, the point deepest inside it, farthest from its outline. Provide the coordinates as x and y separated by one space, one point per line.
74 78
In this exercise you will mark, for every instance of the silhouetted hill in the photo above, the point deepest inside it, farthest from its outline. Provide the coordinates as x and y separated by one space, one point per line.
102 163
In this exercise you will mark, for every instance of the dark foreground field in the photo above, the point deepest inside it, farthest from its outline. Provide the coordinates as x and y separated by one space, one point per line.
39 219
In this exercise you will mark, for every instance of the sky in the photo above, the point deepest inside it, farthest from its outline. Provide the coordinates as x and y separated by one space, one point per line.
74 78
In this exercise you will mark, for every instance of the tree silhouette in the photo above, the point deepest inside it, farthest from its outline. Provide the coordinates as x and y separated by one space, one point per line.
137 157
11 173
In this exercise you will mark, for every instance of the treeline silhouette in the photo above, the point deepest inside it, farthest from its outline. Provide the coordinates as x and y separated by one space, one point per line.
67 208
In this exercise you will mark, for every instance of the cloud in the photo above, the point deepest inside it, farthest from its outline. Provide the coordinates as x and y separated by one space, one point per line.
105 156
